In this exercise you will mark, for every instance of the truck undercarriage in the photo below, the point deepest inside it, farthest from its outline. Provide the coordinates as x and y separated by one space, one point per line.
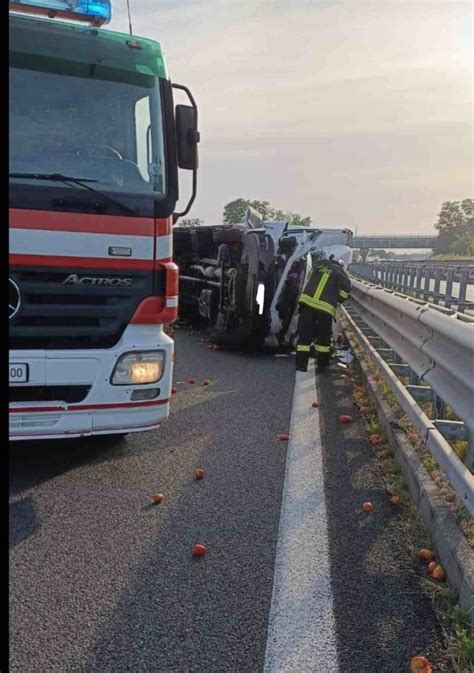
244 280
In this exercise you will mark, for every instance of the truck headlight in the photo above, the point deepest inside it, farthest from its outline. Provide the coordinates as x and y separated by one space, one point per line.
138 368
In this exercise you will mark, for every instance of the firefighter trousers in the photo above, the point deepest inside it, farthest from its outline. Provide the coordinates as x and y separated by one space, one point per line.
314 330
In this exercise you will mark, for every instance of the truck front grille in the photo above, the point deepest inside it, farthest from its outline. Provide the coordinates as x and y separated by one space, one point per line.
54 315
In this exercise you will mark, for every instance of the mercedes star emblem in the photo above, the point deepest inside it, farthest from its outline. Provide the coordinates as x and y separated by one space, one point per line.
14 299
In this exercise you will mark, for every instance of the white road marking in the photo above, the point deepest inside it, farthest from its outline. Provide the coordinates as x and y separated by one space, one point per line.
301 630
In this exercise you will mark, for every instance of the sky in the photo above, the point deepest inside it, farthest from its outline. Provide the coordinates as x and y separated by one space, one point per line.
357 113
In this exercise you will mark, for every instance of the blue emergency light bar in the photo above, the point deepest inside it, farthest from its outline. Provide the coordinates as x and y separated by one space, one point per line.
96 12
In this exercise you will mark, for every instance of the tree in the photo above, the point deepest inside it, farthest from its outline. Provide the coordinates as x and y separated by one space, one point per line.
299 220
234 212
292 218
191 222
455 227
464 246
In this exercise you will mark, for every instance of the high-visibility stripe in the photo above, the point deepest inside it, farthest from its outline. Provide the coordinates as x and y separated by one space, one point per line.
343 294
302 349
322 284
318 305
323 349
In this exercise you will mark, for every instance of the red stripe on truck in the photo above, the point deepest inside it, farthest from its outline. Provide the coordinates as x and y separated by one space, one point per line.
88 407
88 223
120 263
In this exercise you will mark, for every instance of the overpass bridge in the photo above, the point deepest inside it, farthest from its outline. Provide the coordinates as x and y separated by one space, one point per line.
364 243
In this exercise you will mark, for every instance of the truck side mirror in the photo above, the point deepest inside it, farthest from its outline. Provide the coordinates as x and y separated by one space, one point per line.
187 137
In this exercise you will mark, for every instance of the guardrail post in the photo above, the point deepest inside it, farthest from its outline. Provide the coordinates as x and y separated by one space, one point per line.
437 285
419 278
462 290
448 298
412 279
399 271
438 407
414 378
427 291
406 271
470 453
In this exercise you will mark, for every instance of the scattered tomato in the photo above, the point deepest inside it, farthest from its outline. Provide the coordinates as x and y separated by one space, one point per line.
394 500
199 550
191 381
158 497
174 391
420 665
375 439
345 419
368 506
206 382
283 437
199 474
432 566
438 573
425 555
315 405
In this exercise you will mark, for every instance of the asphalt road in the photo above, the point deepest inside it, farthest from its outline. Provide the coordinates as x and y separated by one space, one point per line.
102 580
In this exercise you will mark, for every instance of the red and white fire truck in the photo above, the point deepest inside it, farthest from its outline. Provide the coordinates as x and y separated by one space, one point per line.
95 147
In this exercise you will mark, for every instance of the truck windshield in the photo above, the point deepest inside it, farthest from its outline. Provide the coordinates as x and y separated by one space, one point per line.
110 132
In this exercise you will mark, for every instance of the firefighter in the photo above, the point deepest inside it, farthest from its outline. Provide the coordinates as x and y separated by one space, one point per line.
327 286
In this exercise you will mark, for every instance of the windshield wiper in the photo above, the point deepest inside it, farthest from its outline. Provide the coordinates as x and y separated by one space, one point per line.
81 182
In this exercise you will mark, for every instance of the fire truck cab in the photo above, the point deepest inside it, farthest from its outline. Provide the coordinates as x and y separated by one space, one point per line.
95 147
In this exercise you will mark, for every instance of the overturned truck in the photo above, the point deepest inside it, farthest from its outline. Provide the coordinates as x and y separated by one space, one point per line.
243 280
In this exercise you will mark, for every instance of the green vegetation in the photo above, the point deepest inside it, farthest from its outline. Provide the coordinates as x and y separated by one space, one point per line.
191 222
234 212
455 227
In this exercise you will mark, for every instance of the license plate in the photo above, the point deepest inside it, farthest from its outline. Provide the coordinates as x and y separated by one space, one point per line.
18 373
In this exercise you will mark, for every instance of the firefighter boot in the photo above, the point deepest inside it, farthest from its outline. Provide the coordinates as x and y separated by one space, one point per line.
301 362
322 361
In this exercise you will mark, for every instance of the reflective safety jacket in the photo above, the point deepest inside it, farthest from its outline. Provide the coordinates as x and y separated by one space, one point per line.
328 285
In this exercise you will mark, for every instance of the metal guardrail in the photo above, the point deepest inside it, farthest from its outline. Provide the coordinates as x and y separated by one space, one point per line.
396 241
440 282
432 346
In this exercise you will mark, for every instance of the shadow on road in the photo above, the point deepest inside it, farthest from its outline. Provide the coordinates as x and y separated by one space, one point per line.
23 521
32 463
